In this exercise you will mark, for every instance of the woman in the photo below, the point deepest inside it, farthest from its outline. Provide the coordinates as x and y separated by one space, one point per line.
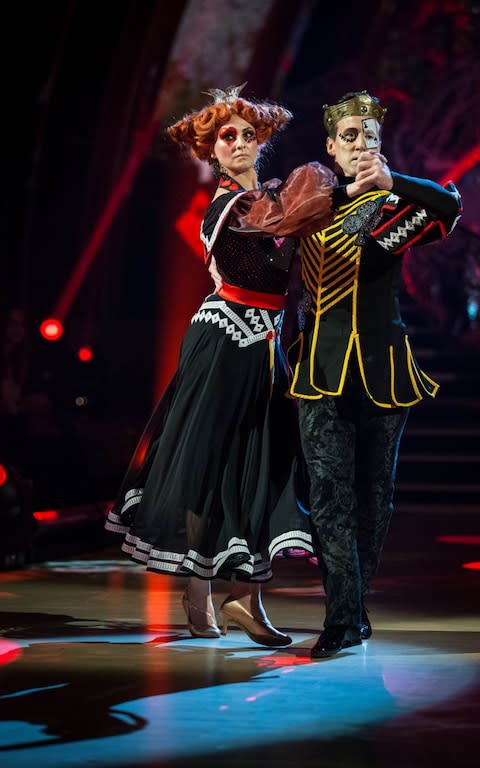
210 466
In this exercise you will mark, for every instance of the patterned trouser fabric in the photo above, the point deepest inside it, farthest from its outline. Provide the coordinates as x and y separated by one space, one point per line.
350 447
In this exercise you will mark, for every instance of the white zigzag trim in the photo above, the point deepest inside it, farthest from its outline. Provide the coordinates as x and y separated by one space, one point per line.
234 325
401 233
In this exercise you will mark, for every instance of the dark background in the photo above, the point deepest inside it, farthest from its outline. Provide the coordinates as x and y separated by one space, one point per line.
80 81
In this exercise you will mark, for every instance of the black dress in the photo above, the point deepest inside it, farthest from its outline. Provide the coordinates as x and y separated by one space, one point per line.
220 446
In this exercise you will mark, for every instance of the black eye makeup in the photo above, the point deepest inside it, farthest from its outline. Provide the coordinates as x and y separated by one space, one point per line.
349 136
229 134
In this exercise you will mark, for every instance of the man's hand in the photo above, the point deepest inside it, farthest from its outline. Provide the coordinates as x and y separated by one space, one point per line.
214 274
372 171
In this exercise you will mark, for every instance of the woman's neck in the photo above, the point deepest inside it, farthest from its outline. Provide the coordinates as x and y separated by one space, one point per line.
246 180
238 183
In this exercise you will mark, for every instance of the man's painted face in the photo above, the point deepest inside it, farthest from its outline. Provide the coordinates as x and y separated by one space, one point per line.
348 143
236 146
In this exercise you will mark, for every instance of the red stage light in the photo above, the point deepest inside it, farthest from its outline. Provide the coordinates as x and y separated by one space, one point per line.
51 329
9 651
459 539
188 223
3 475
282 661
468 160
85 354
472 566
47 515
123 186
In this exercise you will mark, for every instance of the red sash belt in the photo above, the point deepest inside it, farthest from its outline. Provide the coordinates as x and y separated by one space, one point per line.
253 298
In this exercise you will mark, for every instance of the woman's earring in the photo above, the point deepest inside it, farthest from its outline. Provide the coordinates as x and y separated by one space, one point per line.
216 170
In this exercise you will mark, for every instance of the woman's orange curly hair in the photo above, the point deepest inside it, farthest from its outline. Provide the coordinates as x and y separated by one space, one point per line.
199 129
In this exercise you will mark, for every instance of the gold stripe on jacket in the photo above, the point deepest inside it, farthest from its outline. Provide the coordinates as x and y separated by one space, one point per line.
331 262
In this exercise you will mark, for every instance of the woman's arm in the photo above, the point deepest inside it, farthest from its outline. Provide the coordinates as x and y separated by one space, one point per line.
299 206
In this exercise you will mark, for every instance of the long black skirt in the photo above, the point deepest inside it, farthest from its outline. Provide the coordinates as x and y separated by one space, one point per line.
218 456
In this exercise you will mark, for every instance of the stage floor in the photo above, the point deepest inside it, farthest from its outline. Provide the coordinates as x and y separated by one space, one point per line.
97 667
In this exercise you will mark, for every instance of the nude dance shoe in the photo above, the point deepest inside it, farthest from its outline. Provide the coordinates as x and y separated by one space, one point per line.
261 632
201 623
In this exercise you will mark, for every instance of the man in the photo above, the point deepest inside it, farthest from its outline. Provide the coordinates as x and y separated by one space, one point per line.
352 367
353 370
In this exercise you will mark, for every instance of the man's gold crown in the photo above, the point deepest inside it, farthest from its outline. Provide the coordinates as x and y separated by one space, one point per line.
361 104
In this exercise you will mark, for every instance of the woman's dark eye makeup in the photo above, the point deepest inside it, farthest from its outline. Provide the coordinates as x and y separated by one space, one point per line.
229 134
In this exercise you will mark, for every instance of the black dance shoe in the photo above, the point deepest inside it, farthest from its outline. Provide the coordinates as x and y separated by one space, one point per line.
335 639
365 626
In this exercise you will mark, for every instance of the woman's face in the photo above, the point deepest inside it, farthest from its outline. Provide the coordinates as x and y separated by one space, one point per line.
236 146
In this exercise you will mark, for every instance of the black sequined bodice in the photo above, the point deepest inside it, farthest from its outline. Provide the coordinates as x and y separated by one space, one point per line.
248 261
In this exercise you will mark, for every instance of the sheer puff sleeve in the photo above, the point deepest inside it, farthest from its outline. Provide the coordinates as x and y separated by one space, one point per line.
298 207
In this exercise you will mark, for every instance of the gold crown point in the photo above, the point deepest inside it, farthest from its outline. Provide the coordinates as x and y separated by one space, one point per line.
362 104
